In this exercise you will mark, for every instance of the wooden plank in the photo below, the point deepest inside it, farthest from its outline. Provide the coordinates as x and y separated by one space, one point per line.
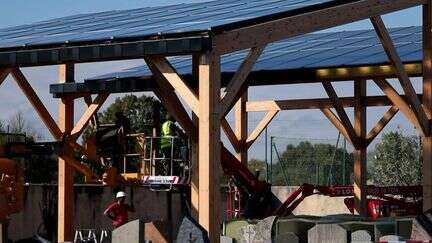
241 127
271 31
36 103
232 91
160 67
360 162
65 215
427 105
403 77
209 146
174 106
399 102
336 122
230 134
343 117
390 113
88 115
260 127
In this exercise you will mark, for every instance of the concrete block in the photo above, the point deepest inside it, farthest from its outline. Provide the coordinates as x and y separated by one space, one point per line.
361 236
226 239
388 238
327 233
299 227
383 228
419 232
132 232
286 237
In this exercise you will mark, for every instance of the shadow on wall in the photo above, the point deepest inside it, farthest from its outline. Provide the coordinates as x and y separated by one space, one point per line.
39 215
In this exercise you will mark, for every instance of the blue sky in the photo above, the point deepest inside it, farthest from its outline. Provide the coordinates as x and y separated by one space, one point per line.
298 124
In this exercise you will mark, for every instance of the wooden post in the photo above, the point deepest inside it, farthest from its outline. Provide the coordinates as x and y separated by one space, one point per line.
66 172
209 145
241 127
427 104
360 163
195 145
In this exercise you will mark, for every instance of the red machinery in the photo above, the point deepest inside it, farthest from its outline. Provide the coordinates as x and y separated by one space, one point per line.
260 202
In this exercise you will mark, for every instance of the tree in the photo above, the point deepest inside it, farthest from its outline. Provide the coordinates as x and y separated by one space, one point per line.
397 160
321 164
255 165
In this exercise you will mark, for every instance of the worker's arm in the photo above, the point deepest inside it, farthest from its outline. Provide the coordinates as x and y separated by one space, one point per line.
108 212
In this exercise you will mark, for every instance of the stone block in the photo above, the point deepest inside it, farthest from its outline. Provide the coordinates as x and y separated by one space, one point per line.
132 232
286 237
191 231
258 233
328 233
419 232
298 226
361 236
392 238
226 239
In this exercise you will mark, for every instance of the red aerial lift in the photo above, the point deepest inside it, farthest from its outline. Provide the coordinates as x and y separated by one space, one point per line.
260 202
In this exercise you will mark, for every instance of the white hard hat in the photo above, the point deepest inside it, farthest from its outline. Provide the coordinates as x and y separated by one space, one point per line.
120 194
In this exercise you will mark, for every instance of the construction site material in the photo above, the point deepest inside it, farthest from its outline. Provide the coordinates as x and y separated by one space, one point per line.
132 232
321 233
260 232
158 231
361 236
191 231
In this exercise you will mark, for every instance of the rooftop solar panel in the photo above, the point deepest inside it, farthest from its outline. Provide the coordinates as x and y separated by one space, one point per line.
318 50
150 21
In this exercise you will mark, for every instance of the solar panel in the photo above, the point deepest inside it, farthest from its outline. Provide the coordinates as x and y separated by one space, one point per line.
149 21
318 50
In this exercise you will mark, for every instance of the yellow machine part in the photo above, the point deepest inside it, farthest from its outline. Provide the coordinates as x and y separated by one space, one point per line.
11 188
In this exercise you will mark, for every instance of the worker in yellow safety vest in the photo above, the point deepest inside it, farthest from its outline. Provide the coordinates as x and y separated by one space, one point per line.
170 143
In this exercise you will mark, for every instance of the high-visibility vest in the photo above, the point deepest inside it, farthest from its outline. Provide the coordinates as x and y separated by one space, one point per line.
166 134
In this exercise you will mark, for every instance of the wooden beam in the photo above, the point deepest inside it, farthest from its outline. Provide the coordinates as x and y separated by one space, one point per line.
209 145
174 106
336 122
162 69
88 100
403 77
260 127
427 105
88 115
66 199
237 83
37 103
230 134
195 144
274 30
3 74
390 113
360 161
241 127
343 117
78 166
399 102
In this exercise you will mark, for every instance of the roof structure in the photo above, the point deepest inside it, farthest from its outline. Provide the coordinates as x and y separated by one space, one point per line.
298 55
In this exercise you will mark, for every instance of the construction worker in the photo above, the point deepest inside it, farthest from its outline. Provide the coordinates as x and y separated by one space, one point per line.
169 145
118 210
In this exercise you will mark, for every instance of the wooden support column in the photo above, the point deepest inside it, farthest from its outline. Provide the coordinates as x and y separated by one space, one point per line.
360 163
241 127
66 172
209 145
195 145
427 104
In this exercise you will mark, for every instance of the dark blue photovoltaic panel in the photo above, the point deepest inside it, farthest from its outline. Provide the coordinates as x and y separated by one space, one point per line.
150 21
318 50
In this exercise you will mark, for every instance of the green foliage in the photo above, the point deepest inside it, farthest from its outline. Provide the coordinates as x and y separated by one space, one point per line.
139 110
321 164
396 160
255 165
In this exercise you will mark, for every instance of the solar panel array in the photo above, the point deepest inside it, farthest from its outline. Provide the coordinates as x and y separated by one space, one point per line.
145 22
318 50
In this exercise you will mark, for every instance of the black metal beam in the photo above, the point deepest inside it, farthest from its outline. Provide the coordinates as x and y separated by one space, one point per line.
103 52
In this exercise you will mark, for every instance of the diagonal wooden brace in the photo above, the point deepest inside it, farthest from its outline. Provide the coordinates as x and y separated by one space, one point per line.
87 116
167 75
401 73
390 113
343 117
237 83
260 128
231 135
337 123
